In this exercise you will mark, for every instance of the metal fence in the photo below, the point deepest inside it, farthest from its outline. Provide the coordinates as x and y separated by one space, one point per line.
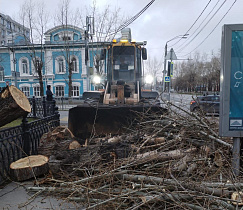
65 103
23 140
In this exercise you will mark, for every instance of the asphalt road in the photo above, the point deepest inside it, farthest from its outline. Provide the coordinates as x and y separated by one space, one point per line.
180 100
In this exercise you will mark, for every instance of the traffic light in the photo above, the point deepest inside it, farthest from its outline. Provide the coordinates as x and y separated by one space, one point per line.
169 65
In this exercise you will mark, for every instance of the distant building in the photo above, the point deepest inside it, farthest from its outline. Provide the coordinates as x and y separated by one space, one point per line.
62 43
11 30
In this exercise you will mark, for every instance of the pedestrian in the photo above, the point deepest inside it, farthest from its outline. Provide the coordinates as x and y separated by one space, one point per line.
49 93
49 98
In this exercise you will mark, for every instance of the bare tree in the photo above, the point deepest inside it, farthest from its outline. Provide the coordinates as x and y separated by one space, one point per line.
35 17
100 27
200 73
67 21
105 28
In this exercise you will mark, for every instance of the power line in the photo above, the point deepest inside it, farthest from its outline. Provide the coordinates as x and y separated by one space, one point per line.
194 22
128 22
213 29
180 49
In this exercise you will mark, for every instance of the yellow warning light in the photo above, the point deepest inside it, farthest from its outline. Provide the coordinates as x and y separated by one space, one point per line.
124 41
114 40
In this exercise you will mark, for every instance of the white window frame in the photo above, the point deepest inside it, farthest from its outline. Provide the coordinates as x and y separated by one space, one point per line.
36 90
75 91
25 90
57 91
21 66
57 64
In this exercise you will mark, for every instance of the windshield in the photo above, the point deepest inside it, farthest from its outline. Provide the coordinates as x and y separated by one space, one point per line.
123 63
123 58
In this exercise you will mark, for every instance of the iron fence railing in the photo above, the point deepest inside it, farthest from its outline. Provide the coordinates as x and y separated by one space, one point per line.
23 140
65 103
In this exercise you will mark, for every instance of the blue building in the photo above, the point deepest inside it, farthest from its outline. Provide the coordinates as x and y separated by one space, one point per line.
62 45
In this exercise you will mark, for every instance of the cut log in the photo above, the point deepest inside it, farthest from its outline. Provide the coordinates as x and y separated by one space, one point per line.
13 104
29 167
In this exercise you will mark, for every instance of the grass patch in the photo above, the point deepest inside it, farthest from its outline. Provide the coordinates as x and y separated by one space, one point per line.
16 123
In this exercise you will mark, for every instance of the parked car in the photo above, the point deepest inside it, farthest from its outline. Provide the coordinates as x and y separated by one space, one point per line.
207 104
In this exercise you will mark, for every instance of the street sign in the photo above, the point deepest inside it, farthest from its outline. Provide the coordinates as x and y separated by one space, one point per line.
171 55
171 69
167 79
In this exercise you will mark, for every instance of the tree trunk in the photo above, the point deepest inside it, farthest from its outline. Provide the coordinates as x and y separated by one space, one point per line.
29 167
13 104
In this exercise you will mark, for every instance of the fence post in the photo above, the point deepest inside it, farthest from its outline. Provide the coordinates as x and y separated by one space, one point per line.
44 106
62 102
25 136
53 104
56 113
34 106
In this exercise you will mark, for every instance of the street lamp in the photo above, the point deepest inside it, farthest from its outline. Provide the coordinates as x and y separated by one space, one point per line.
165 60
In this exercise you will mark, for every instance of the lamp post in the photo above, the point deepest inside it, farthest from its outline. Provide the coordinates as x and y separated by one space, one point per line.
165 60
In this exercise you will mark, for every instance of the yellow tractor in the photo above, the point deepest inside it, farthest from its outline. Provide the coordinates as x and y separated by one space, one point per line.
110 111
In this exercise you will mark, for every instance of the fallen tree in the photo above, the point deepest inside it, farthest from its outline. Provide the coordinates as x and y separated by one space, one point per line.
171 161
13 104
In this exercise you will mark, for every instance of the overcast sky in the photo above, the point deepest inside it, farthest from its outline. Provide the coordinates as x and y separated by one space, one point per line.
164 20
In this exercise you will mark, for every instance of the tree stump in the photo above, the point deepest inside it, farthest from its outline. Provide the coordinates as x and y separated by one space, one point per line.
29 167
13 104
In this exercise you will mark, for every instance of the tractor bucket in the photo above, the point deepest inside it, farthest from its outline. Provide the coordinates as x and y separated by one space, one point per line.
86 121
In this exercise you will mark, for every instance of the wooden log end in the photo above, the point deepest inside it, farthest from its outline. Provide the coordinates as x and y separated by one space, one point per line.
29 167
20 98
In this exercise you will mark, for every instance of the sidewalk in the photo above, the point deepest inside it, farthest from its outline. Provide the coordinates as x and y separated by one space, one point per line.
14 195
64 118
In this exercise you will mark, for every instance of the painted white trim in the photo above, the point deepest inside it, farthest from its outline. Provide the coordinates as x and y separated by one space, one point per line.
84 70
76 84
59 84
11 60
36 85
84 85
48 62
24 85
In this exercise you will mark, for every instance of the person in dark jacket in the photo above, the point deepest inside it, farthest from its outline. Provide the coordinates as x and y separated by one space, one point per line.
49 98
49 93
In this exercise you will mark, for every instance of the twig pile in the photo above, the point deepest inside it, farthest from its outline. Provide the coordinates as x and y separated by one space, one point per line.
174 161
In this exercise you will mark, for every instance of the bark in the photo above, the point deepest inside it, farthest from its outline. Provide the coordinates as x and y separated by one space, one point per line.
13 104
29 167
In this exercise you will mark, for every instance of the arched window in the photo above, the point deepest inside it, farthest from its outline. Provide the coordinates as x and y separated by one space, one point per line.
74 64
60 65
25 66
56 37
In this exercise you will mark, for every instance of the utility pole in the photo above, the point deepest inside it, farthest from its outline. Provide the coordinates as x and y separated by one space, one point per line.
164 71
14 73
88 32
